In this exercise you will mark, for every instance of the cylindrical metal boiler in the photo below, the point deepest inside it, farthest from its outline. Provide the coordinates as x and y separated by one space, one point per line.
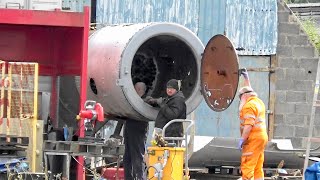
122 55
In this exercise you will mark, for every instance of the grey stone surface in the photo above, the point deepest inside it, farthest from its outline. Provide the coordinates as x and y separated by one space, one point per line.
288 62
285 51
280 73
288 28
281 96
316 131
296 96
284 130
294 119
282 40
284 84
301 85
303 109
307 51
301 131
309 64
283 16
301 40
295 74
279 119
284 108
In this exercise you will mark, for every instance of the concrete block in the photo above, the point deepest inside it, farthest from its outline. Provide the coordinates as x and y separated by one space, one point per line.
288 62
281 96
302 85
309 96
295 74
309 64
301 131
303 109
284 84
284 51
293 19
282 6
301 40
284 130
279 119
311 75
316 120
283 16
316 131
294 119
284 108
296 96
301 52
288 28
280 73
282 40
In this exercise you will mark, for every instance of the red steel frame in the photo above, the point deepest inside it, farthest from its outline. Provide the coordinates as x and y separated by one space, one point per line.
57 40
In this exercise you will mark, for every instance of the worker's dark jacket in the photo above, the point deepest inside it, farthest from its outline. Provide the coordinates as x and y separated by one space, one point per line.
173 107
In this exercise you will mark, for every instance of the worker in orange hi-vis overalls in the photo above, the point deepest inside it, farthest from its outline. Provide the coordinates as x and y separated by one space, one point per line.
253 132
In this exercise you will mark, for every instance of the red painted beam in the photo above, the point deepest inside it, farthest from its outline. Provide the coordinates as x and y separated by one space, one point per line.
42 18
83 83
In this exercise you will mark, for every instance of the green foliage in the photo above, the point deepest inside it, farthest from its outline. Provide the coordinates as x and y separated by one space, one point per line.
313 31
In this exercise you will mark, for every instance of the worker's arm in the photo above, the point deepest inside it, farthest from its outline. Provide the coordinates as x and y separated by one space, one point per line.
245 132
245 75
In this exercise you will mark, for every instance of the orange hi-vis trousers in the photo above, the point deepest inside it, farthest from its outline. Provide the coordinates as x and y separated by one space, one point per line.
253 114
253 156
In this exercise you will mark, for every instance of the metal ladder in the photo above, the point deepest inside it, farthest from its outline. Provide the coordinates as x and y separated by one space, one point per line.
315 104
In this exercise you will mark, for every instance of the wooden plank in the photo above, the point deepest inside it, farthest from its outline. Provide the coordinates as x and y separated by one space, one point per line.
39 146
272 97
36 160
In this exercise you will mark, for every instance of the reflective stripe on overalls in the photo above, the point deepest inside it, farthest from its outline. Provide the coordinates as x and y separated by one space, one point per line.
253 113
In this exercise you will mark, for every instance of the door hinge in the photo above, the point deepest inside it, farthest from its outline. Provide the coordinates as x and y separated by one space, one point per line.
268 111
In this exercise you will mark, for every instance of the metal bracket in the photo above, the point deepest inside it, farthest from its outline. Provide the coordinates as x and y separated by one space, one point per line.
268 111
266 69
120 82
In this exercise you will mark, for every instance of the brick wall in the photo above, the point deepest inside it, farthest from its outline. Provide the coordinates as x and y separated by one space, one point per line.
297 62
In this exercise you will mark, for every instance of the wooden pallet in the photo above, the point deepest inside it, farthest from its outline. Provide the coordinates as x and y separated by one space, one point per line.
13 140
83 148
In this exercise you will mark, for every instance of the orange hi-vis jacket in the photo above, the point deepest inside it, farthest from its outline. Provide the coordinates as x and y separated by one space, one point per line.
253 113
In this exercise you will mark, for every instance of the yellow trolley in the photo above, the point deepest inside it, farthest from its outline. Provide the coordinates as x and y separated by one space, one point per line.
166 163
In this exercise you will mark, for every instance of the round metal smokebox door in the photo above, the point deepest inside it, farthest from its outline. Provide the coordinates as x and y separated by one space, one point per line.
219 73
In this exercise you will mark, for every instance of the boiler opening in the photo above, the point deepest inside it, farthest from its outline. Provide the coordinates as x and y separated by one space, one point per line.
162 58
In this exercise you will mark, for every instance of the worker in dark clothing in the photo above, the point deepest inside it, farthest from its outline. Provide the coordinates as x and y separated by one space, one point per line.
135 137
172 107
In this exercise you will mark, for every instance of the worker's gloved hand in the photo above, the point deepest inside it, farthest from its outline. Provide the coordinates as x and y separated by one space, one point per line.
244 73
241 141
159 101
150 100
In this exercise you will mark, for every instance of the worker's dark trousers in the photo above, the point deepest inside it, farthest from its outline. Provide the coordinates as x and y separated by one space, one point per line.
135 136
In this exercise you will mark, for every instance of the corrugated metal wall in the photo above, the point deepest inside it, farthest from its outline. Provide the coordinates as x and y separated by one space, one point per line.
184 12
75 5
212 15
207 18
252 25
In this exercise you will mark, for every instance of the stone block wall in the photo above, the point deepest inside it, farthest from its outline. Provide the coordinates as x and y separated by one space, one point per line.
297 62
